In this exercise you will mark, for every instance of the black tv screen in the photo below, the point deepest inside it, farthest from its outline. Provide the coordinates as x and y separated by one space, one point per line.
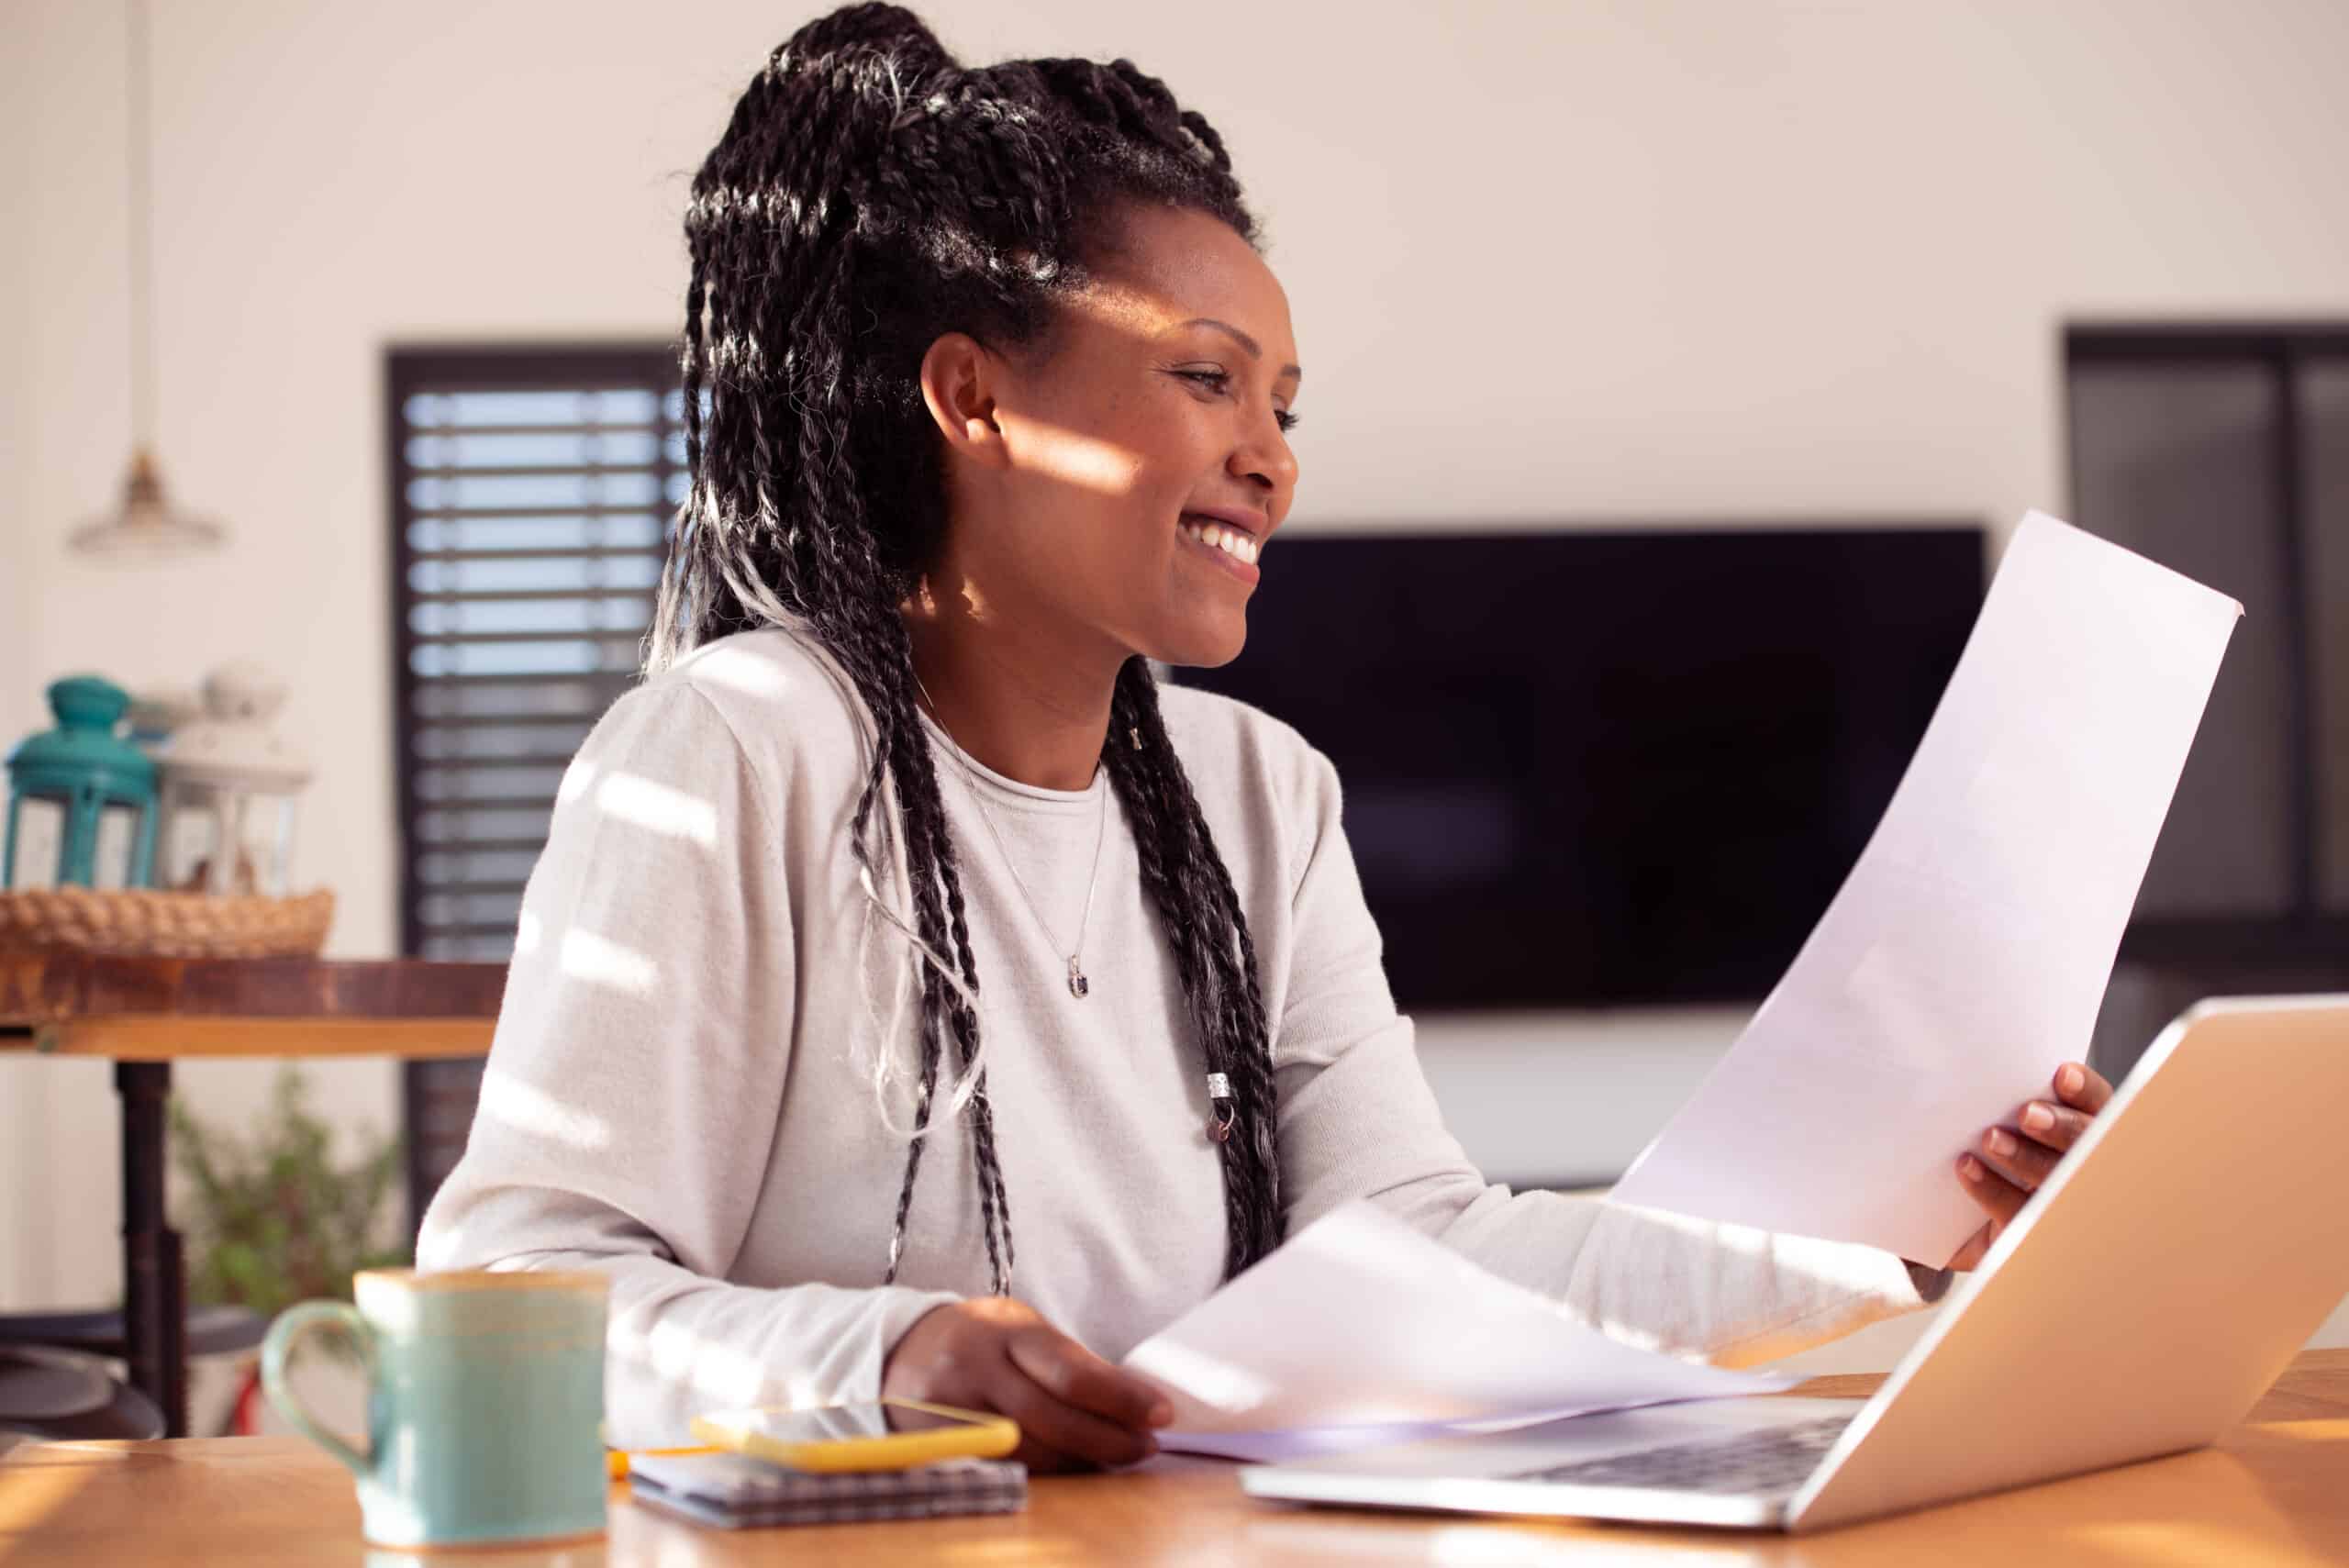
1589 769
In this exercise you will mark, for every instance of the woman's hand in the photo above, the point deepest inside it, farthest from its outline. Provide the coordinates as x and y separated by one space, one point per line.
1075 1411
2011 1161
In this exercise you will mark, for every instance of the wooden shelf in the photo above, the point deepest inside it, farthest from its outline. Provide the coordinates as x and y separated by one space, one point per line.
159 1010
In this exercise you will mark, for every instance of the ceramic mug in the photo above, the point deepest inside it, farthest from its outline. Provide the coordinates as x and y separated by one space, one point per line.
485 1401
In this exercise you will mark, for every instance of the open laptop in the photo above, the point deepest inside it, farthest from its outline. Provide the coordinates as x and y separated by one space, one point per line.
2177 1259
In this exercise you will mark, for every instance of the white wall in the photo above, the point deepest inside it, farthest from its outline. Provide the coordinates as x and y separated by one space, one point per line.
1700 258
24 1210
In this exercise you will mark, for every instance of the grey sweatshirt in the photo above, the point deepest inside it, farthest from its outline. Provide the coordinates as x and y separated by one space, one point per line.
702 1069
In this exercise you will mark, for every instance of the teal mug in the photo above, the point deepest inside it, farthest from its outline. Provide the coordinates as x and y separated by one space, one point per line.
485 1401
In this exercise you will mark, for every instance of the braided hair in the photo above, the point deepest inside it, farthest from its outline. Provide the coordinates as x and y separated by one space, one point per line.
869 196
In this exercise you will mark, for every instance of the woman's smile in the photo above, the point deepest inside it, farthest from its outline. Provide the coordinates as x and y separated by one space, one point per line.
1234 549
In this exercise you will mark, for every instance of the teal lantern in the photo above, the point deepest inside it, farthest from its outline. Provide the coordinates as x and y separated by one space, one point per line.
81 799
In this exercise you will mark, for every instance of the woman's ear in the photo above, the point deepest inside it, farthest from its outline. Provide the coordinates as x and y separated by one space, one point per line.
958 377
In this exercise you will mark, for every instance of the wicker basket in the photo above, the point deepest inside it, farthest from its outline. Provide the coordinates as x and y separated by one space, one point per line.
149 923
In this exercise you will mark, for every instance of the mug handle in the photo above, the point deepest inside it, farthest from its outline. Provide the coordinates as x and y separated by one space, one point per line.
277 1350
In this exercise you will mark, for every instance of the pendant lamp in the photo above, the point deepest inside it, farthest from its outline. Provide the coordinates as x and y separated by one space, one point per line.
145 523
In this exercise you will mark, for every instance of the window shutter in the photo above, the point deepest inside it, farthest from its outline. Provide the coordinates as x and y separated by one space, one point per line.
531 489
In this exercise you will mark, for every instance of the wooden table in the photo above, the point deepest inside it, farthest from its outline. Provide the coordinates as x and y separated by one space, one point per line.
143 1013
2274 1491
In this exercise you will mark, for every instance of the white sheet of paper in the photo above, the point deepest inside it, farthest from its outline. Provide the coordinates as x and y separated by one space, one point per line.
1360 1330
1967 953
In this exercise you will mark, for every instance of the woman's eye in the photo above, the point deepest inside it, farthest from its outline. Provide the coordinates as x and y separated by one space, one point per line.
1217 381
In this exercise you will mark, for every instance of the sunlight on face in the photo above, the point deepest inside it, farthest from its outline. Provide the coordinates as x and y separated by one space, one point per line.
1083 461
1158 407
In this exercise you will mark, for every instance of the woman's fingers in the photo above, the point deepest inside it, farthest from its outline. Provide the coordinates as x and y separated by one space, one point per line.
995 1354
1061 1431
1074 1375
2057 1127
2023 1162
1965 1257
1993 1194
2026 1153
2010 1163
2080 1086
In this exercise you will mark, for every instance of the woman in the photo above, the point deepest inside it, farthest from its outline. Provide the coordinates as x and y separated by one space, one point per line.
914 997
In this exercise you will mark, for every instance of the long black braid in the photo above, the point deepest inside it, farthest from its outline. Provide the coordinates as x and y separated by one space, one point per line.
869 196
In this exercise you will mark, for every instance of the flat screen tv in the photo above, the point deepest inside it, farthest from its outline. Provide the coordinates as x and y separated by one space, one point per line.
1598 769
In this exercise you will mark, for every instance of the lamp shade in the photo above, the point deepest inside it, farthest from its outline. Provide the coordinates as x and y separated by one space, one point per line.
147 525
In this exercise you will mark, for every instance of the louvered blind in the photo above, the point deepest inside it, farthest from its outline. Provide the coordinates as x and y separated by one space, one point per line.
531 487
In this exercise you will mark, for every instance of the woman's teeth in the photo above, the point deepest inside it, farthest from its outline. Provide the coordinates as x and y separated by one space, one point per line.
1231 541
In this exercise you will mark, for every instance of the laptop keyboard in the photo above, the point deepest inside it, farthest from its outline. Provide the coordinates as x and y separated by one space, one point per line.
1774 1461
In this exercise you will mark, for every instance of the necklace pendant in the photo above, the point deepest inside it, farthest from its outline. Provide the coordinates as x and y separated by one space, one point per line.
1076 985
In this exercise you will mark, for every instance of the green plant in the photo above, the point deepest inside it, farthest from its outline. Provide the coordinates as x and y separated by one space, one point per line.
274 1219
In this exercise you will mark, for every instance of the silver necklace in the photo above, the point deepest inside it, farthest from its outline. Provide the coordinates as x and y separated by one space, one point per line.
1077 985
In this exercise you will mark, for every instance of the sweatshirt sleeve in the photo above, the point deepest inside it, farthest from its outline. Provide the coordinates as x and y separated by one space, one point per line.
1357 1120
635 1081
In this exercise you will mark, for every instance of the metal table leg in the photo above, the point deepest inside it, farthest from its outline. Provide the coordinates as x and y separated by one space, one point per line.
154 1314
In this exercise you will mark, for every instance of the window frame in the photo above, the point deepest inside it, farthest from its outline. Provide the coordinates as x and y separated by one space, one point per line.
2307 937
438 1093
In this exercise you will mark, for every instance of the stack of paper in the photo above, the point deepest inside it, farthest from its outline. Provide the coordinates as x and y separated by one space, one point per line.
1362 1330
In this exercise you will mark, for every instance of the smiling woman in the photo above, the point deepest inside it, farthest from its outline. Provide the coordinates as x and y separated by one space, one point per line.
972 290
1084 474
998 397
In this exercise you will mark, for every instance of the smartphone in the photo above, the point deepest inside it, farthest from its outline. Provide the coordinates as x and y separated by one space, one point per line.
888 1434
